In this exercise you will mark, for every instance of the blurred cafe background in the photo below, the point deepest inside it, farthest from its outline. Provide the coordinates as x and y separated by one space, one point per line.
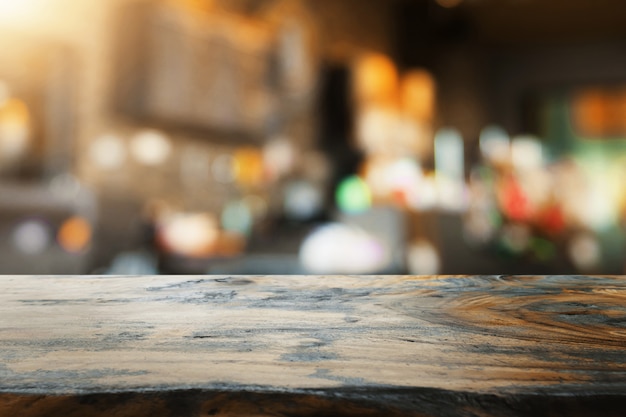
312 136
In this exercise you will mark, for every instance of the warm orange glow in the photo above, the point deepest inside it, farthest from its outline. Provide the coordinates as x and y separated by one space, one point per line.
590 112
418 95
14 130
74 234
600 112
375 79
249 166
14 111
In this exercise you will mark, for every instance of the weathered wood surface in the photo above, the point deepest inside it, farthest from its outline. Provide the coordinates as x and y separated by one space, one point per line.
309 345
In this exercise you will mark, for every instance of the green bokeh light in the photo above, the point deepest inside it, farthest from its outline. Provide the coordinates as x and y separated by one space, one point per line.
353 195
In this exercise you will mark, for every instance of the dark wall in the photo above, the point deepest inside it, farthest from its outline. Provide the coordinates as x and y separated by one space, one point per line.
490 59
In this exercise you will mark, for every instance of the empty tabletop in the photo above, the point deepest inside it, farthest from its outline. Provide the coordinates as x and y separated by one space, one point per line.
312 345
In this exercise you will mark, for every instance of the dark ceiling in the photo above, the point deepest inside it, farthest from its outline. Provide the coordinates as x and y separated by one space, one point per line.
548 20
528 21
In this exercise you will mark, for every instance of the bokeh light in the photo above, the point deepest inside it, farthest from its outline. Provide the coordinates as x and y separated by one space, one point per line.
376 127
353 195
65 186
404 178
340 249
480 226
248 166
108 152
495 145
190 234
75 234
449 154
303 200
450 171
237 217
585 252
375 79
258 121
423 258
527 153
150 147
15 130
279 157
418 95
32 236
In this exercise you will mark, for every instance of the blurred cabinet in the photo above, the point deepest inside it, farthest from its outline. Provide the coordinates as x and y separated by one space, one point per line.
196 70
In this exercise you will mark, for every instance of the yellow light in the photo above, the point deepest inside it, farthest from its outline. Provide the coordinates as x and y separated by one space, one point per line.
18 10
418 95
14 130
248 166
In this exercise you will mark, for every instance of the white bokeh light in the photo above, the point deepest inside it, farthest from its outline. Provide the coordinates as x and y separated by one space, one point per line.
108 152
341 249
150 147
31 237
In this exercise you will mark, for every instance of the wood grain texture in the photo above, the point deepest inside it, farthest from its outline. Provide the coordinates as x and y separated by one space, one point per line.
311 345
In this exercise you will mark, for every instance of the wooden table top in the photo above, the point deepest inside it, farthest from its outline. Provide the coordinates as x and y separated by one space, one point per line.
312 345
